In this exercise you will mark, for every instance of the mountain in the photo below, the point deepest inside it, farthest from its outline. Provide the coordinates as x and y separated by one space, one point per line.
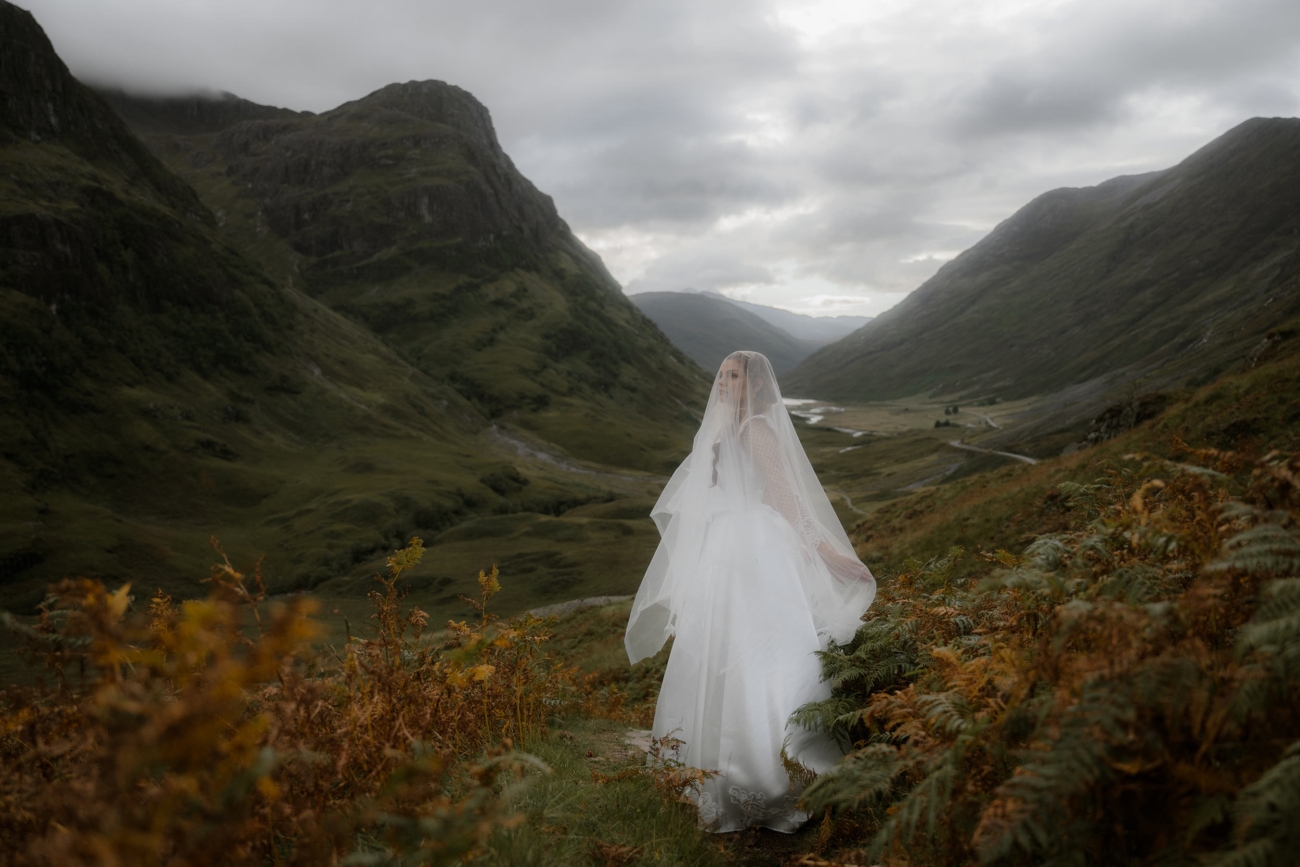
401 211
1168 276
708 327
159 386
818 330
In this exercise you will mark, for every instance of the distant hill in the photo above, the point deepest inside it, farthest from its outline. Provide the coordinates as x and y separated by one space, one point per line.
401 211
1170 276
709 327
818 330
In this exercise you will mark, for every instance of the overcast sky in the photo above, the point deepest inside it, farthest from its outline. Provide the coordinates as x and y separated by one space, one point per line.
825 157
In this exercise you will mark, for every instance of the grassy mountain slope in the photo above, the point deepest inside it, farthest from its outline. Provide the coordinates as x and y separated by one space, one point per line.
1168 276
1252 413
401 211
157 387
708 328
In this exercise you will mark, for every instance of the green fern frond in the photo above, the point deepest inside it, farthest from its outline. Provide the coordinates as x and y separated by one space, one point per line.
1048 553
845 722
948 712
1206 813
44 641
1136 583
1052 779
1265 549
1258 853
1275 628
922 808
863 778
1087 497
1267 811
1170 684
882 654
1027 578
822 715
1255 694
1096 546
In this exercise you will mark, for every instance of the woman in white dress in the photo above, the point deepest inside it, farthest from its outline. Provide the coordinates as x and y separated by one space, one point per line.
753 575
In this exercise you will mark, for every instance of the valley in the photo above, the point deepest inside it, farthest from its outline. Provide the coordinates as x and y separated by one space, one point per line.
287 398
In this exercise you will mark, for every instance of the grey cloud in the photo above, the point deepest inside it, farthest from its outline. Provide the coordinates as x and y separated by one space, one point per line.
1083 71
700 269
660 179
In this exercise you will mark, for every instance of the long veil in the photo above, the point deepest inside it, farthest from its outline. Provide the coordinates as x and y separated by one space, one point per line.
746 455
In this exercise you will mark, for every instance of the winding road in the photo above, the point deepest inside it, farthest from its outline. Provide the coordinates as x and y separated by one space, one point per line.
958 444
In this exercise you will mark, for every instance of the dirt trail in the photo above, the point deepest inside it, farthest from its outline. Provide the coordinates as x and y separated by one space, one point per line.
958 444
561 608
848 502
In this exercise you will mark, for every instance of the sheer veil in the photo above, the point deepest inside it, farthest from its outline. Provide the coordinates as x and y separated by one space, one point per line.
746 456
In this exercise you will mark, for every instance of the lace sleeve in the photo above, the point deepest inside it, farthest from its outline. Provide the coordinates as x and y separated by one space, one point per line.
777 489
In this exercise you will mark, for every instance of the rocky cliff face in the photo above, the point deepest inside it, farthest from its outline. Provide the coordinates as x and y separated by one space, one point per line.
304 173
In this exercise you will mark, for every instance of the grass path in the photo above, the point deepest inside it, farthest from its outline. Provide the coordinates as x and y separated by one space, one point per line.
597 806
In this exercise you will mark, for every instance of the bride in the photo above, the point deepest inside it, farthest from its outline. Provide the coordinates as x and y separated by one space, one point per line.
753 575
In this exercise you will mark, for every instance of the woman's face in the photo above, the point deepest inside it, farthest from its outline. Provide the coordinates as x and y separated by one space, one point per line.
731 381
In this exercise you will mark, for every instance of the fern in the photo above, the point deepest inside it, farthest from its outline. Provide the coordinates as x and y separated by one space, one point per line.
865 777
1266 817
1043 792
1088 497
1111 697
824 714
1048 553
1275 629
1029 579
1138 583
922 807
1267 548
948 712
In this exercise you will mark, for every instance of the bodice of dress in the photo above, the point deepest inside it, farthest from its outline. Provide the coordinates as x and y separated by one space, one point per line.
766 482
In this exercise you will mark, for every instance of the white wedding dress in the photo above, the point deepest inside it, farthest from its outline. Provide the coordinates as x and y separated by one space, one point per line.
754 573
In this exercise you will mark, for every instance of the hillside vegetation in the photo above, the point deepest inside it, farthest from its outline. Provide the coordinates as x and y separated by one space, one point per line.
401 211
1091 659
159 386
1165 276
1116 685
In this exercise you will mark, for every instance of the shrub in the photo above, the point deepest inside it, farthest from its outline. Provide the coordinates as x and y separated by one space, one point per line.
210 732
1122 691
